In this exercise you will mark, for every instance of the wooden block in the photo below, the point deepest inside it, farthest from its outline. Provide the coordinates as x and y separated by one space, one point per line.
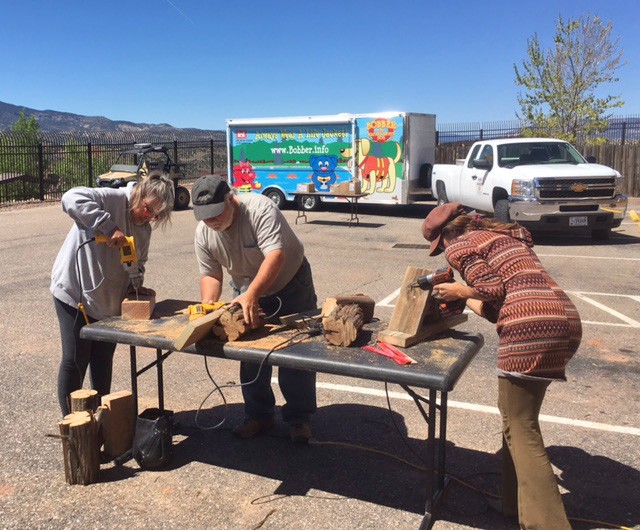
198 329
404 340
140 309
302 319
118 422
411 306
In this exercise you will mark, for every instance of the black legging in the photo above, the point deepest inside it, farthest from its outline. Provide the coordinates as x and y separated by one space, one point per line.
79 353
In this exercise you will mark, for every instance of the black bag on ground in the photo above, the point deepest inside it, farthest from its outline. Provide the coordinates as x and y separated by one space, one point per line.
152 440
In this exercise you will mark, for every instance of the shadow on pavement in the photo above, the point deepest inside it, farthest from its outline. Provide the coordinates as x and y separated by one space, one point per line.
598 488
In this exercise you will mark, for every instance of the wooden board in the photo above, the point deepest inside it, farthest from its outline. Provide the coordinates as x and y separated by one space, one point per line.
118 422
198 329
407 325
411 306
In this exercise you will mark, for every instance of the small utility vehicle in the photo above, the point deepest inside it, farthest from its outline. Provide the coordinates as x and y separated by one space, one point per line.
137 162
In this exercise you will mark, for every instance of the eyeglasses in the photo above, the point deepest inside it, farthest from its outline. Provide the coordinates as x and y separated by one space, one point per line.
148 211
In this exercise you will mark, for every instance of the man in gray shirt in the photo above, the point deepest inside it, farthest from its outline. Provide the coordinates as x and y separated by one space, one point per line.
249 237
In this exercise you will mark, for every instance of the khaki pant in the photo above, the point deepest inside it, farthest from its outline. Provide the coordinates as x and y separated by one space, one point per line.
529 487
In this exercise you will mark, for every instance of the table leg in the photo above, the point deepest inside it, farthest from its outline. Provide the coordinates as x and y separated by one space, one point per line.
159 360
134 378
301 213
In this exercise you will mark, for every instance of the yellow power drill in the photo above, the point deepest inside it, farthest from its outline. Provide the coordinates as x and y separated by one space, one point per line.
128 258
197 311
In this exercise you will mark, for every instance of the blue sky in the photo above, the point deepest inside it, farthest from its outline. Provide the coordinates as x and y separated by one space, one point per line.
195 63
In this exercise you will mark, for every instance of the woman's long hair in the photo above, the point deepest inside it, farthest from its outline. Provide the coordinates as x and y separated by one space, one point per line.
466 223
158 188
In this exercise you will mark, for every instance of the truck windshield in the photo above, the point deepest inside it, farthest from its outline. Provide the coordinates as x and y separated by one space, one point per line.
531 153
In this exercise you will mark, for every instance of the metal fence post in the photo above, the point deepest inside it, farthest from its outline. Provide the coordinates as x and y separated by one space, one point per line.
624 132
90 165
41 170
481 134
211 153
437 137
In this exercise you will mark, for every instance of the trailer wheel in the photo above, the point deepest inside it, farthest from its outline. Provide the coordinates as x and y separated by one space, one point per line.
182 198
308 202
276 196
442 193
501 211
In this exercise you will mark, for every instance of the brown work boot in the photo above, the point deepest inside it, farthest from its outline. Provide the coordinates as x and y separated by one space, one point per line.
300 433
252 427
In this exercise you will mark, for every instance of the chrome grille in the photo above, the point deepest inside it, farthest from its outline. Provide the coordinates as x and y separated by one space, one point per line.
568 188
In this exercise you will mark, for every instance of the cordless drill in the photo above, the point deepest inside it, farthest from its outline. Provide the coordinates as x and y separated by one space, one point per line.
444 275
128 258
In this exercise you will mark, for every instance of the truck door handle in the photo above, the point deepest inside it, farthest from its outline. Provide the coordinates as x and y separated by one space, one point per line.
474 177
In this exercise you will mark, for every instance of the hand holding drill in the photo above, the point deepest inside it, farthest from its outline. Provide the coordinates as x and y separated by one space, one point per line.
444 288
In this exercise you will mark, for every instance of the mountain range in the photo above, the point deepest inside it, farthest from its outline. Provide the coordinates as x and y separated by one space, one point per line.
56 121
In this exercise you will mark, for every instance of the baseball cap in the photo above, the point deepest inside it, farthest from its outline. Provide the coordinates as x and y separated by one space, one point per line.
208 195
436 220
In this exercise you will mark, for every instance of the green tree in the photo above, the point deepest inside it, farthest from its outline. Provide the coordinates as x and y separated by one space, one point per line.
563 84
27 127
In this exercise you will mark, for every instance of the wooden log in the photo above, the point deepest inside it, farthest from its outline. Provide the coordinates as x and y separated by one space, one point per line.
342 326
118 422
80 447
232 323
84 399
140 308
366 303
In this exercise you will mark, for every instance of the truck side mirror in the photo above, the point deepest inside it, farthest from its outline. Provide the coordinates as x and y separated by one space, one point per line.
591 159
482 163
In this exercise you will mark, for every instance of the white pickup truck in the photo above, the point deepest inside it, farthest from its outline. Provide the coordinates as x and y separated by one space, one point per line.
542 183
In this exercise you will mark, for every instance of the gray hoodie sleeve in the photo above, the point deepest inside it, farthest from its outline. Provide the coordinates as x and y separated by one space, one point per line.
86 206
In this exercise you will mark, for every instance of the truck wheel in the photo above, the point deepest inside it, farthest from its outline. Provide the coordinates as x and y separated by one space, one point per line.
308 202
276 196
182 198
601 234
501 211
442 193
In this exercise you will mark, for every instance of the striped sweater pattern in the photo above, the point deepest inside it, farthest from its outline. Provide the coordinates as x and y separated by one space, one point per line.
538 326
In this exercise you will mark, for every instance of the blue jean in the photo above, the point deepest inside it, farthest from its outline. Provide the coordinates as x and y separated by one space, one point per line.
298 386
79 354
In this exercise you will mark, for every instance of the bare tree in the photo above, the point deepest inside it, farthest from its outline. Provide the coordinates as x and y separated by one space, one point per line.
562 83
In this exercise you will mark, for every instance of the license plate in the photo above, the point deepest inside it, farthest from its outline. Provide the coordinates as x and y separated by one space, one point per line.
578 221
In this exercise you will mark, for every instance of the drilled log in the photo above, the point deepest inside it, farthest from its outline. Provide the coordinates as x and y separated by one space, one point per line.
342 326
84 399
366 303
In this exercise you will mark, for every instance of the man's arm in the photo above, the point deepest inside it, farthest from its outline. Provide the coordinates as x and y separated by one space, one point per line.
210 288
267 274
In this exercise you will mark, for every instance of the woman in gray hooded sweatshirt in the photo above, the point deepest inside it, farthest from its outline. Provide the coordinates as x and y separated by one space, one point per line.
91 274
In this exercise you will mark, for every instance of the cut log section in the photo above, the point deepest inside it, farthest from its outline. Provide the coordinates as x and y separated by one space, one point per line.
84 399
342 326
81 448
138 309
366 303
118 422
231 325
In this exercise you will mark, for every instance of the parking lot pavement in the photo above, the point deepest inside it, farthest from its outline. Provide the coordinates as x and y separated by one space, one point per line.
591 423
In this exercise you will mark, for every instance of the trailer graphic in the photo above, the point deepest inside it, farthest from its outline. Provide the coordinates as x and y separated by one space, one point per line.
279 156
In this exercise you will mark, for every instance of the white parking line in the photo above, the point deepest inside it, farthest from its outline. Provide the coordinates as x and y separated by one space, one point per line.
572 256
479 408
628 322
631 322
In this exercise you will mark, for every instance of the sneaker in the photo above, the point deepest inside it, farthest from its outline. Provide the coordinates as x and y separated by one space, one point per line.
252 427
300 433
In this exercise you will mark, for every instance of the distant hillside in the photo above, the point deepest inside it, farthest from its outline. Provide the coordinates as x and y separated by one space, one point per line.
54 121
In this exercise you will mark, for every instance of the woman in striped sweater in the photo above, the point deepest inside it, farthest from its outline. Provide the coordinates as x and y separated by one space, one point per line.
539 330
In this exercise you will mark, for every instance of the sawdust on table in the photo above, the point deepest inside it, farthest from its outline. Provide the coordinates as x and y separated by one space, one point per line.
170 328
267 338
